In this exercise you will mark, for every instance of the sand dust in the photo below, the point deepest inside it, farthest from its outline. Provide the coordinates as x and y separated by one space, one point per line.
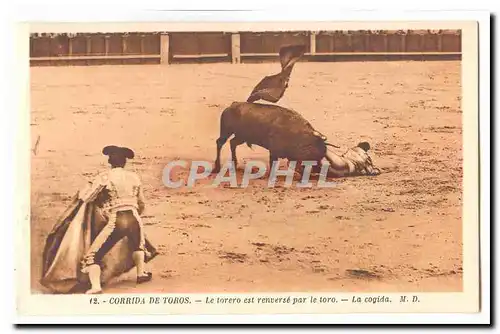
397 231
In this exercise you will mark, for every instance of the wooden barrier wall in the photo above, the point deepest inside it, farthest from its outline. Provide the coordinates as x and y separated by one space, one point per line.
144 48
388 42
270 42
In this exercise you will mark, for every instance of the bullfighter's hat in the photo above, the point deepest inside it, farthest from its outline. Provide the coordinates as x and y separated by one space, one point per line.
117 150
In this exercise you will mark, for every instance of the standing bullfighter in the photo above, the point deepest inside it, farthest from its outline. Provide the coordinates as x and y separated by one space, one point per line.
122 202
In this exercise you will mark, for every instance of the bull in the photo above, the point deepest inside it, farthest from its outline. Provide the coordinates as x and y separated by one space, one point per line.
286 134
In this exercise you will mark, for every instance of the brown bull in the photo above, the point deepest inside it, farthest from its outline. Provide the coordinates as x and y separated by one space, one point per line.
286 134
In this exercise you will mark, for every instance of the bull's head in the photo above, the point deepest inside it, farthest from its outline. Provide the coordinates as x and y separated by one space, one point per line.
354 162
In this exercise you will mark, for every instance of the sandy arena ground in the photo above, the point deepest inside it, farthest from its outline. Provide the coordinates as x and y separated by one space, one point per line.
400 231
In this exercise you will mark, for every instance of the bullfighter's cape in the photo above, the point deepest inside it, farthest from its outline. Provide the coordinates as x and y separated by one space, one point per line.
69 240
272 88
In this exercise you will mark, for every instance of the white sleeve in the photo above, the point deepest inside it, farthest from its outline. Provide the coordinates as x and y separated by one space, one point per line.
92 189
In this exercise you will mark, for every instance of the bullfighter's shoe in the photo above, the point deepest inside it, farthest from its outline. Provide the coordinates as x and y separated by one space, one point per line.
93 292
146 277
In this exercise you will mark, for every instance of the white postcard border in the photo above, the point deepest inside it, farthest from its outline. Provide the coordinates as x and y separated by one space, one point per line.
31 302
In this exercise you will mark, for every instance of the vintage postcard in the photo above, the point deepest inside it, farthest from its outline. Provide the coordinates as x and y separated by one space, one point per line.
177 168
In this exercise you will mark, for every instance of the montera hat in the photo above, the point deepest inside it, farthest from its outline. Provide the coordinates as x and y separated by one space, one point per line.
117 150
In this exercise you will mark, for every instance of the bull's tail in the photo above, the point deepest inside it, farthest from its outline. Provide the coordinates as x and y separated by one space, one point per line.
328 144
225 123
324 138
